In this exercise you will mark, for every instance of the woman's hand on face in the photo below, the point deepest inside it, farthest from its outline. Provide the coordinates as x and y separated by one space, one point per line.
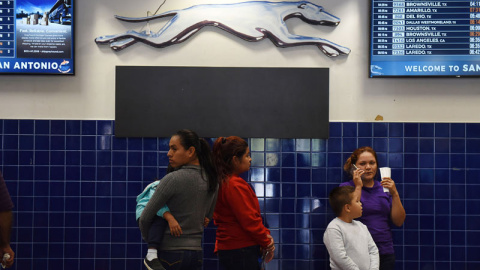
390 184
175 228
357 177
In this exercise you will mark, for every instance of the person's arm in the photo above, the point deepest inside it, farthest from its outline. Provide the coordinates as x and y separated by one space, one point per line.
162 211
397 213
357 180
243 205
175 228
5 229
333 240
269 251
6 215
206 221
373 251
164 191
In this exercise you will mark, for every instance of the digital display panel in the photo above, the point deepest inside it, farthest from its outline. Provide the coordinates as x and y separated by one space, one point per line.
36 37
215 101
424 38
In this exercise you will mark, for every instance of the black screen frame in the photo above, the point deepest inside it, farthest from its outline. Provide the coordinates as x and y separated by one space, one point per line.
220 101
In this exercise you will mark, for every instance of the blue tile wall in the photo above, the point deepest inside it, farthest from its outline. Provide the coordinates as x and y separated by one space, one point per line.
74 185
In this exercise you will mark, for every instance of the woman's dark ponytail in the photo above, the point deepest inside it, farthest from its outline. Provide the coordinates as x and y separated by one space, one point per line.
188 139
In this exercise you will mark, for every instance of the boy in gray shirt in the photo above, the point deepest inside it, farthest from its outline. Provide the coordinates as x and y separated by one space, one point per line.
348 241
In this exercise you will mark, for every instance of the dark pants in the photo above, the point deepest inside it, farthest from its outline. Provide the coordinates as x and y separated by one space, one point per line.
240 259
181 259
156 232
387 262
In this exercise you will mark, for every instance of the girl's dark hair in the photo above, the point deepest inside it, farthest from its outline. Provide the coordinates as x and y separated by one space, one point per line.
189 139
224 149
354 158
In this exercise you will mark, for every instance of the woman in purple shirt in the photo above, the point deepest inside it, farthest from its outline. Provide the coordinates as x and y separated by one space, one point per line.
379 208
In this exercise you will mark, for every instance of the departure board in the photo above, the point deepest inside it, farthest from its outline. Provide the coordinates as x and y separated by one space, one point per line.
7 29
425 38
36 37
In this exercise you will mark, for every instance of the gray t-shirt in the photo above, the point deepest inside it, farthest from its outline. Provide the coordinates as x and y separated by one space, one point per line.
350 246
186 193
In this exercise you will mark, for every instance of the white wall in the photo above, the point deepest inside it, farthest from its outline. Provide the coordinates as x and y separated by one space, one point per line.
90 94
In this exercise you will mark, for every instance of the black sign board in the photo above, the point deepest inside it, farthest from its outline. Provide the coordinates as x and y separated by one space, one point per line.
217 101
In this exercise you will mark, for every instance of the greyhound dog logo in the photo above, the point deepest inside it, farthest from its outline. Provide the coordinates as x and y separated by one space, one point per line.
376 70
251 21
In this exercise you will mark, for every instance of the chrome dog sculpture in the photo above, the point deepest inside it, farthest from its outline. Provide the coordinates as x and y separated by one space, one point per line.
251 21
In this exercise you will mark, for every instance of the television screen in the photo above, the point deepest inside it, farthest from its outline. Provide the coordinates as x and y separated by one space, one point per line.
36 37
250 102
424 38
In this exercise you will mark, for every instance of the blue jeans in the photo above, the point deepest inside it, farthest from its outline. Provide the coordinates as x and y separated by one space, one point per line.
240 259
181 259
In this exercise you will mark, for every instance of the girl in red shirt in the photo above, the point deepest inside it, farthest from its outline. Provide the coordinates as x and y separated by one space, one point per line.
241 236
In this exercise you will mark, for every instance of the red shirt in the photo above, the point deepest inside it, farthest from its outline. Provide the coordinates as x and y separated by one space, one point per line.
237 217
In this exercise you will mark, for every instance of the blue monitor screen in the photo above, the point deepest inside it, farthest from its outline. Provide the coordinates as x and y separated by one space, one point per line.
424 38
36 37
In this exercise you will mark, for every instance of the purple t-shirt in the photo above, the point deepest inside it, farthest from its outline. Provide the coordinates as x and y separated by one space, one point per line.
377 206
6 203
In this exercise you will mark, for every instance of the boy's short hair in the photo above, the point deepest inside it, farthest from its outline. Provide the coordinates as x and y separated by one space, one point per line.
339 197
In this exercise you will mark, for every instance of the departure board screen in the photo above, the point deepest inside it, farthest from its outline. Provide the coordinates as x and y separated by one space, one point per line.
36 37
425 38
